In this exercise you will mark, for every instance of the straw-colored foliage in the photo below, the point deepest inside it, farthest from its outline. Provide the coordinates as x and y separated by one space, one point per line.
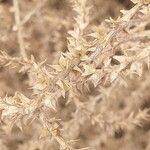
70 79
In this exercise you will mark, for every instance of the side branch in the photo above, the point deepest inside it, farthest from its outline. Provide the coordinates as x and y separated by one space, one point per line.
19 29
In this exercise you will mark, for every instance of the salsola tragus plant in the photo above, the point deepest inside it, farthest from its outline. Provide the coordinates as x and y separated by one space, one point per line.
93 79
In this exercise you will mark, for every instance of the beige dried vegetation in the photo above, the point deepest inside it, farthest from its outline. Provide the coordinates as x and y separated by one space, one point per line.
80 83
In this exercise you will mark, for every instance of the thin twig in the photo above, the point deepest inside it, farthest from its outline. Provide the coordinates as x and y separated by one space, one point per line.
33 12
19 29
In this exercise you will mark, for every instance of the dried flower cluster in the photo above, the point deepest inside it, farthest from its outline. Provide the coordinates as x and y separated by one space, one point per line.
87 91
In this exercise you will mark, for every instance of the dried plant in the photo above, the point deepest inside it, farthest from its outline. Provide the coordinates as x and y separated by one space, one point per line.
95 89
